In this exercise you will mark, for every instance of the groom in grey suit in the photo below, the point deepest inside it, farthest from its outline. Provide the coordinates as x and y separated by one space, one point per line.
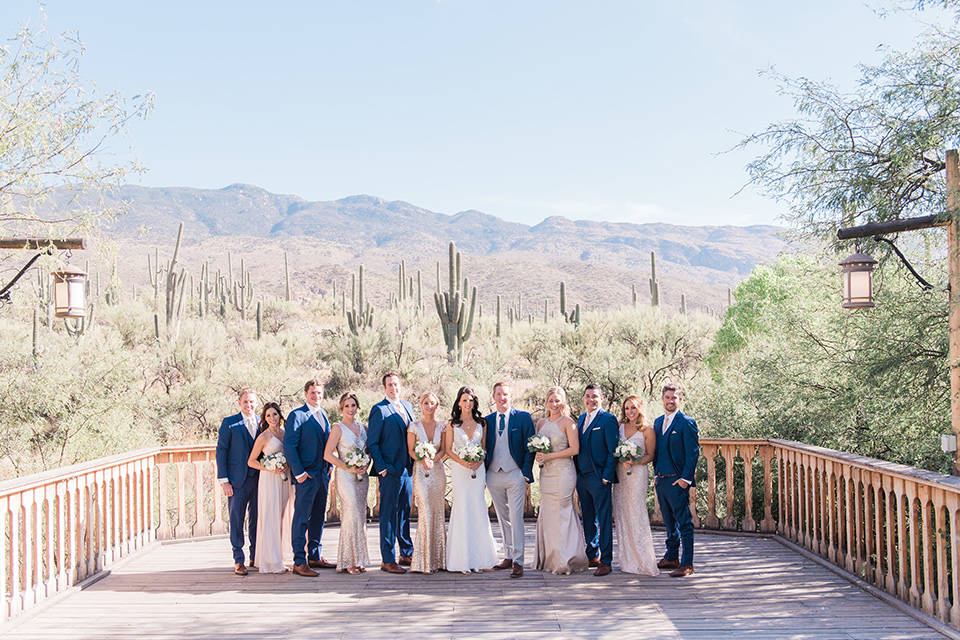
509 470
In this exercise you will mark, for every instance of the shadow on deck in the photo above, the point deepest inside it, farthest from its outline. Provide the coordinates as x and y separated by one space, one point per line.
744 587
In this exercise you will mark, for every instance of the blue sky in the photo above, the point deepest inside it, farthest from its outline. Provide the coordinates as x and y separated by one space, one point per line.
603 109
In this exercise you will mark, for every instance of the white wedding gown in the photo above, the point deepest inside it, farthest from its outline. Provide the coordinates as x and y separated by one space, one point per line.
470 543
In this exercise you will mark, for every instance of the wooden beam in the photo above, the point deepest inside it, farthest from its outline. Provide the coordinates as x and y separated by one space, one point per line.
894 226
34 244
953 260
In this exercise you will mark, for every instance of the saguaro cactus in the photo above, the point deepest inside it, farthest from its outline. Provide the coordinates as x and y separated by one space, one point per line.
654 282
574 315
359 317
455 316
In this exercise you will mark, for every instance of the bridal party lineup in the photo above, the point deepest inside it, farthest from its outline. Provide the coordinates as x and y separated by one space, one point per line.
275 470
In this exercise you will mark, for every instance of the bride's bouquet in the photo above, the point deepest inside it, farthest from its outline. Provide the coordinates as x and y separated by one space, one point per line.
274 461
539 444
425 451
357 459
627 451
472 453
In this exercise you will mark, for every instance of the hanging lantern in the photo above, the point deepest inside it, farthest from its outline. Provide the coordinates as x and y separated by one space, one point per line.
857 281
68 292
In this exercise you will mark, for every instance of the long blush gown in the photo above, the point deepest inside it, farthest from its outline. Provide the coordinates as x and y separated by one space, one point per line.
275 500
630 516
429 493
560 547
352 494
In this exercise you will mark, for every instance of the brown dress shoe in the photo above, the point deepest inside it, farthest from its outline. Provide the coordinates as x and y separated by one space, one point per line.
321 564
506 564
594 562
405 561
392 567
305 571
602 570
517 570
239 569
668 564
682 571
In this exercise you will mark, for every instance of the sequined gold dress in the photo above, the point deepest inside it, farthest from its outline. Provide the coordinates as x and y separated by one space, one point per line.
560 547
352 495
429 492
630 516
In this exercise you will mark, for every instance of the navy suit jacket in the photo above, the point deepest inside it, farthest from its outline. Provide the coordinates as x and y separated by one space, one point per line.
304 440
598 444
681 444
234 445
519 429
387 438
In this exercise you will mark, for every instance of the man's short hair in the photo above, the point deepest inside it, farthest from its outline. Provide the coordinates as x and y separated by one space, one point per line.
593 387
672 386
388 374
244 391
312 382
501 383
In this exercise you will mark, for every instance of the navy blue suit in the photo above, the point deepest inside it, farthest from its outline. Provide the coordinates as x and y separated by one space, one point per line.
304 440
596 464
387 441
520 429
676 457
234 445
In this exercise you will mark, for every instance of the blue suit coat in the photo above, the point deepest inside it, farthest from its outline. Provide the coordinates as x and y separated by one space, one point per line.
597 446
387 438
304 440
234 445
681 445
520 428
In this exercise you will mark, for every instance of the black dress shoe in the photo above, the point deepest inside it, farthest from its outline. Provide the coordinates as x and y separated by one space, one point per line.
668 564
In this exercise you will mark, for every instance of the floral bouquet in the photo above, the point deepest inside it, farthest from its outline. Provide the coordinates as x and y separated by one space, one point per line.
472 453
627 451
424 451
274 461
357 459
539 444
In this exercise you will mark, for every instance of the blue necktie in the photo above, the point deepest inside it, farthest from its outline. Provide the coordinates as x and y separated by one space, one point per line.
502 425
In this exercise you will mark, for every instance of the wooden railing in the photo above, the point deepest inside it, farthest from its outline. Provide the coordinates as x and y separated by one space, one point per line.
890 525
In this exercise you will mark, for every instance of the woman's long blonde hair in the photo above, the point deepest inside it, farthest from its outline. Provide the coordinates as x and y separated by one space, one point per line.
565 411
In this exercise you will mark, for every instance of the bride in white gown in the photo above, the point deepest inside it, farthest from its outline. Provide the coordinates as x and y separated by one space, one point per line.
470 544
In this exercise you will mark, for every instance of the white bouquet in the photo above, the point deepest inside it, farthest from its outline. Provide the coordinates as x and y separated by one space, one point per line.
425 451
539 444
472 453
274 461
357 459
627 451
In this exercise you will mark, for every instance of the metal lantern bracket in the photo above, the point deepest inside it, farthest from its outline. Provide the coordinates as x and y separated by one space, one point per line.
926 286
5 292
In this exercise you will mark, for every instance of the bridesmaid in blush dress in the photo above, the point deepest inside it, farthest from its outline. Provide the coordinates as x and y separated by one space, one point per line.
274 494
429 490
560 547
630 516
352 487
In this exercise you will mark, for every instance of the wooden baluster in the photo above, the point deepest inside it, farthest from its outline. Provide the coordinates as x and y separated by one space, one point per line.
33 581
899 490
15 555
151 504
114 504
657 516
859 509
953 511
926 545
914 515
729 453
830 510
804 501
694 516
165 530
818 505
876 482
5 565
73 535
943 588
219 525
784 470
747 453
711 521
768 524
890 532
50 544
182 530
201 527
849 520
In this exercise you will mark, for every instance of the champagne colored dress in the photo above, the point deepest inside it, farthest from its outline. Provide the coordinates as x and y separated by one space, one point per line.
352 494
470 544
429 493
630 516
560 547
275 500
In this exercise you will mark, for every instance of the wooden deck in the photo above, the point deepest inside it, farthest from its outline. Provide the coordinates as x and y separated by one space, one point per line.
744 587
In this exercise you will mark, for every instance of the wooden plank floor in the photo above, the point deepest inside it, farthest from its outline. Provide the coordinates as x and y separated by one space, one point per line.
743 588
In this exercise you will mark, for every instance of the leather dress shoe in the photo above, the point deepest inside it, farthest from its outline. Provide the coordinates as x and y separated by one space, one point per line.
602 570
252 565
392 567
682 571
321 564
594 562
405 561
517 570
305 571
668 564
239 569
506 564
